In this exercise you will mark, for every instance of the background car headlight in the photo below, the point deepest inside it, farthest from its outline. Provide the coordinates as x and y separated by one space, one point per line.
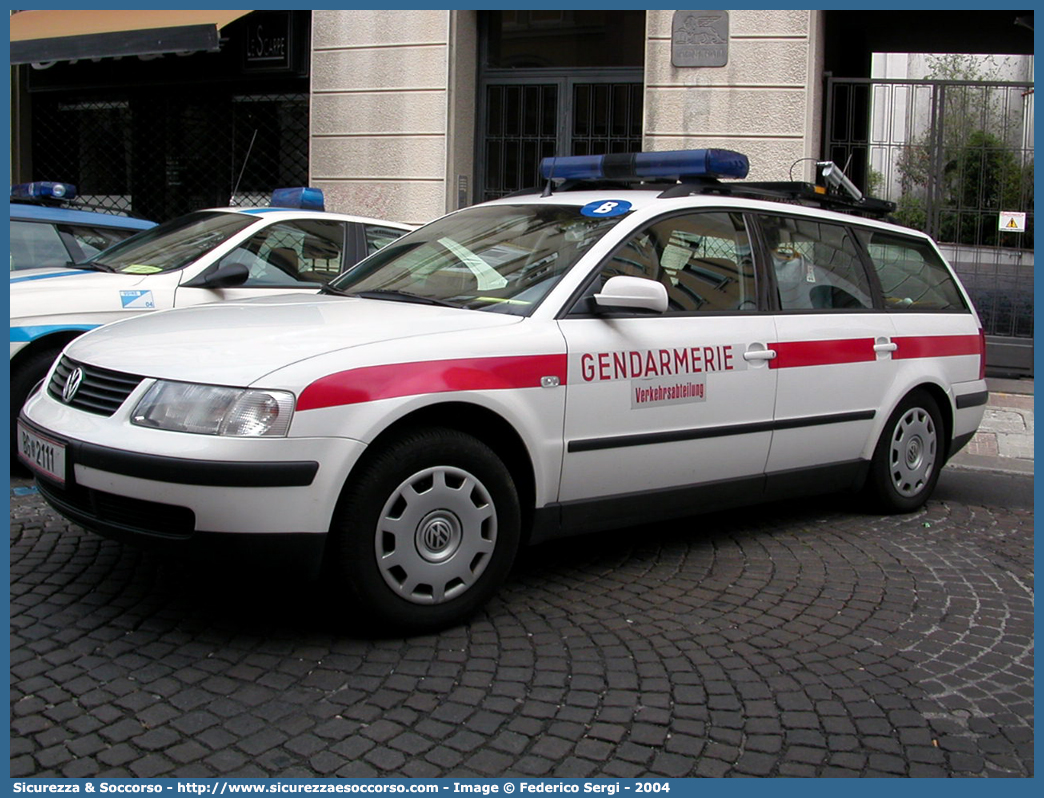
215 410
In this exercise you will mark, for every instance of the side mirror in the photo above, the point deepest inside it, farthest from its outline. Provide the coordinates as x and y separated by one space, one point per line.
223 275
633 292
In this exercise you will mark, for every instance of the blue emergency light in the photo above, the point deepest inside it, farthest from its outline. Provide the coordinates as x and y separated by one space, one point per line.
304 198
42 190
667 165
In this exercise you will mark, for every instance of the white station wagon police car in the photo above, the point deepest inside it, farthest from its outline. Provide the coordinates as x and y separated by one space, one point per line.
591 356
211 255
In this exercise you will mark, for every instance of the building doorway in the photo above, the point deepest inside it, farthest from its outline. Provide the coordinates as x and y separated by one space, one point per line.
555 83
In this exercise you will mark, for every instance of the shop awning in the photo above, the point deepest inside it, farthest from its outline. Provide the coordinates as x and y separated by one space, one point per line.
68 35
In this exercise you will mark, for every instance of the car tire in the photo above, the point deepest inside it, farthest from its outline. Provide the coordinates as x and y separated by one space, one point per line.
426 532
23 380
909 455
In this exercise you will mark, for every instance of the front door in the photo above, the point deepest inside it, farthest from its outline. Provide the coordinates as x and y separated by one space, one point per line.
658 404
288 256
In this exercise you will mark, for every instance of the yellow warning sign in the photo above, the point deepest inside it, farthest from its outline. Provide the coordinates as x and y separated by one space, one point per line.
1012 221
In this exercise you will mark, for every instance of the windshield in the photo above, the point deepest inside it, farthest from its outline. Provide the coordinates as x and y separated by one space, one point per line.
500 258
171 245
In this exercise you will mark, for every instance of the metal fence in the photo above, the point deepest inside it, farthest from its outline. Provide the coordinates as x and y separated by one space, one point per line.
1000 282
160 155
952 154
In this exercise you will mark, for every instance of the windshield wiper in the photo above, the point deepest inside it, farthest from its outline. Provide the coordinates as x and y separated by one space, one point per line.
402 296
329 289
94 266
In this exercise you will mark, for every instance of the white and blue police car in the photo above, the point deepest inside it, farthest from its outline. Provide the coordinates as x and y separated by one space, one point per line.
643 338
211 255
48 231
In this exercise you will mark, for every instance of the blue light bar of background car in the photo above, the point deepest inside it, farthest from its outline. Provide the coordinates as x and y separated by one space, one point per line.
670 164
305 198
43 190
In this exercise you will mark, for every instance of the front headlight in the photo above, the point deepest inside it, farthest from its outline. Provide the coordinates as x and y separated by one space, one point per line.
215 410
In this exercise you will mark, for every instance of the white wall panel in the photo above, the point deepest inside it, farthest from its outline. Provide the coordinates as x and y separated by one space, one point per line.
408 201
382 157
380 114
374 113
763 102
727 112
365 28
379 68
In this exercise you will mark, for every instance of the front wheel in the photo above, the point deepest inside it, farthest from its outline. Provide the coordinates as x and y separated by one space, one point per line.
909 455
427 531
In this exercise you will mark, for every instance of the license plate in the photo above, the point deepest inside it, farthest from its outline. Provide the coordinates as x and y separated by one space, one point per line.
41 454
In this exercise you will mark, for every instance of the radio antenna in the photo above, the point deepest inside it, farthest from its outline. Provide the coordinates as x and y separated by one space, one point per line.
235 189
550 177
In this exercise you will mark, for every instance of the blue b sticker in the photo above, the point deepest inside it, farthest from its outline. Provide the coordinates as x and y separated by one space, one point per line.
603 209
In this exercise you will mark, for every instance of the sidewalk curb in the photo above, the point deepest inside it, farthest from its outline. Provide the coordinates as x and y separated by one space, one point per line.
1008 397
979 462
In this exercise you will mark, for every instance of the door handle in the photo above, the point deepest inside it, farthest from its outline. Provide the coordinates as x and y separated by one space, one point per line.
759 354
885 346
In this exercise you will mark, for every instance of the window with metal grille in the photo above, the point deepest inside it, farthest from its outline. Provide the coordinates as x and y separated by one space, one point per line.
161 154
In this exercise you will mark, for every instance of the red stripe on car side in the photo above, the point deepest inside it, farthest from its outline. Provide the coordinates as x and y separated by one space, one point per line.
794 354
370 383
937 346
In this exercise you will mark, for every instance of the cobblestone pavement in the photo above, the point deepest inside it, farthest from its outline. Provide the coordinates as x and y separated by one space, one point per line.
782 641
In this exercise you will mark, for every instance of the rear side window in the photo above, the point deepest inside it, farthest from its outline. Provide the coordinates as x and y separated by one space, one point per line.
36 244
912 274
380 237
816 265
93 240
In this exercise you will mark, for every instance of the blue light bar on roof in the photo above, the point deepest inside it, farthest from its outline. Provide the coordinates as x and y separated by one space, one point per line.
667 165
41 190
305 198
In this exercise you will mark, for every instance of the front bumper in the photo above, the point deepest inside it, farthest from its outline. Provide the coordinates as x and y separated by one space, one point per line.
134 521
246 501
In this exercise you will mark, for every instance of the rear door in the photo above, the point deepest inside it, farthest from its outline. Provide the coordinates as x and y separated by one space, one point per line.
658 404
937 336
833 351
929 314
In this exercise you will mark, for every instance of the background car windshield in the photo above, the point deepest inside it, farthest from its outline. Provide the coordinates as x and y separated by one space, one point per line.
174 244
501 258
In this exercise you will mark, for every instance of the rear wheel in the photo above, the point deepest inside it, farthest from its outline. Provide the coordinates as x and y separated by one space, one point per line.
909 455
427 532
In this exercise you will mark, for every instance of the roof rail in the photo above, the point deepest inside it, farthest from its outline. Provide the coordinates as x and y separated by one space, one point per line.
793 191
680 173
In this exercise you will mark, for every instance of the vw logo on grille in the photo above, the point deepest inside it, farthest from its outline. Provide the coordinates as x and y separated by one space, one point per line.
72 385
437 535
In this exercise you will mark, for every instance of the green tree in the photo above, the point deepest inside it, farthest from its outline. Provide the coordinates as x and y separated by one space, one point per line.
968 163
983 178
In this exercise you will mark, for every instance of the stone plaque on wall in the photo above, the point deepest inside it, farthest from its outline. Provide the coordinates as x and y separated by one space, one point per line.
700 39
